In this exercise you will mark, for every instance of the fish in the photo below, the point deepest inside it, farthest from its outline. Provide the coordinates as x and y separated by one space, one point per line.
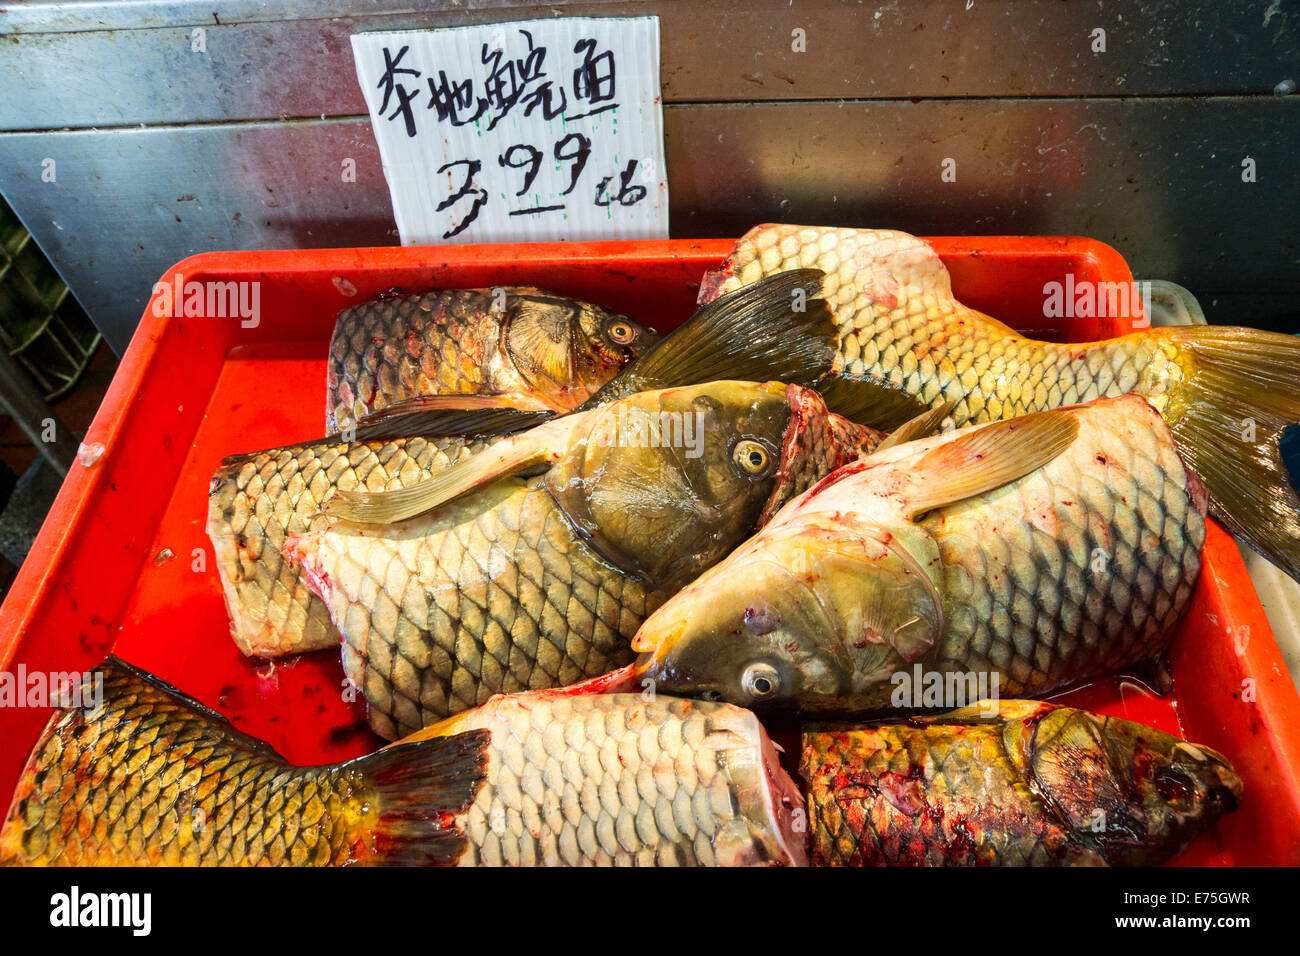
1025 555
530 565
523 345
150 776
256 500
582 779
1009 783
1231 396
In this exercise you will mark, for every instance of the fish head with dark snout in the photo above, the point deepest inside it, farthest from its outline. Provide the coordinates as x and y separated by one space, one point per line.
813 617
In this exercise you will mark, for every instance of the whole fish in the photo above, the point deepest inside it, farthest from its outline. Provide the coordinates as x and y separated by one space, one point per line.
532 348
615 780
1228 394
1030 784
153 777
1037 552
256 500
491 577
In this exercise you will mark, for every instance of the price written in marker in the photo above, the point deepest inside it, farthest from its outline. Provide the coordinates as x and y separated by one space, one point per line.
528 131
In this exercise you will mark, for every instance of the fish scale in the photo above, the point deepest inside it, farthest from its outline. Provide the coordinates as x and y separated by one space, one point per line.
402 346
256 501
1028 601
620 780
849 828
531 606
899 322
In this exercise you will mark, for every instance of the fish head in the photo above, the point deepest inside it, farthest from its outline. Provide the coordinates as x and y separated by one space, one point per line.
565 349
663 484
812 616
1133 790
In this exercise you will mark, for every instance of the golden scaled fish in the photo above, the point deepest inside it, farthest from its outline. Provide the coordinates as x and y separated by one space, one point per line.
531 564
257 500
1009 783
1228 394
627 780
1035 553
152 777
528 347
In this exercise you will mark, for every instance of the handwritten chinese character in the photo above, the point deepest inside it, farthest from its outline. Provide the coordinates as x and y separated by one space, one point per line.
594 79
511 82
450 99
390 84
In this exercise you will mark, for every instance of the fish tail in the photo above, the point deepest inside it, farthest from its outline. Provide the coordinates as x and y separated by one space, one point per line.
1232 415
423 789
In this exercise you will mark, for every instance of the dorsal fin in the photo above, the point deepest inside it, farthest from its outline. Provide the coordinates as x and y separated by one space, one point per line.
133 674
869 401
773 330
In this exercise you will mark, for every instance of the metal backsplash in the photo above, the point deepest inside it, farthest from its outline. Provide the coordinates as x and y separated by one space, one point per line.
160 151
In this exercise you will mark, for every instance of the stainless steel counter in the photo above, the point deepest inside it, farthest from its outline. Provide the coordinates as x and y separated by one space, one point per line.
167 142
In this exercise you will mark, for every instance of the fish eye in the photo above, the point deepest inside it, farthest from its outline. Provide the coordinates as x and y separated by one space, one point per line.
760 681
751 456
621 333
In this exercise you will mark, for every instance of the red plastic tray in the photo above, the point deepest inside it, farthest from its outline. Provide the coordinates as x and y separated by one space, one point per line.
192 390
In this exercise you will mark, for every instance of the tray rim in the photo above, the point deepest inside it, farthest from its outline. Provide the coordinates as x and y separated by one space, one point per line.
35 584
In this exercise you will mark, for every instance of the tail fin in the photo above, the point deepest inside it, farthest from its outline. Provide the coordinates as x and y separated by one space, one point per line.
772 330
1228 416
421 789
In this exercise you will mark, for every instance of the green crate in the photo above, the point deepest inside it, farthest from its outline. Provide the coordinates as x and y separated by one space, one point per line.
41 324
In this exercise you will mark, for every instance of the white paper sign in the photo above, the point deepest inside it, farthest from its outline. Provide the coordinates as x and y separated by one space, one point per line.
527 131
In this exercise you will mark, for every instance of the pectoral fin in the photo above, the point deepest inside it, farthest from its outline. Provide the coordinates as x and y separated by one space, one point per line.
541 445
867 401
922 426
440 416
988 457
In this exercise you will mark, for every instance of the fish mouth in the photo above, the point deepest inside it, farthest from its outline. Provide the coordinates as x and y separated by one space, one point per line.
655 640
